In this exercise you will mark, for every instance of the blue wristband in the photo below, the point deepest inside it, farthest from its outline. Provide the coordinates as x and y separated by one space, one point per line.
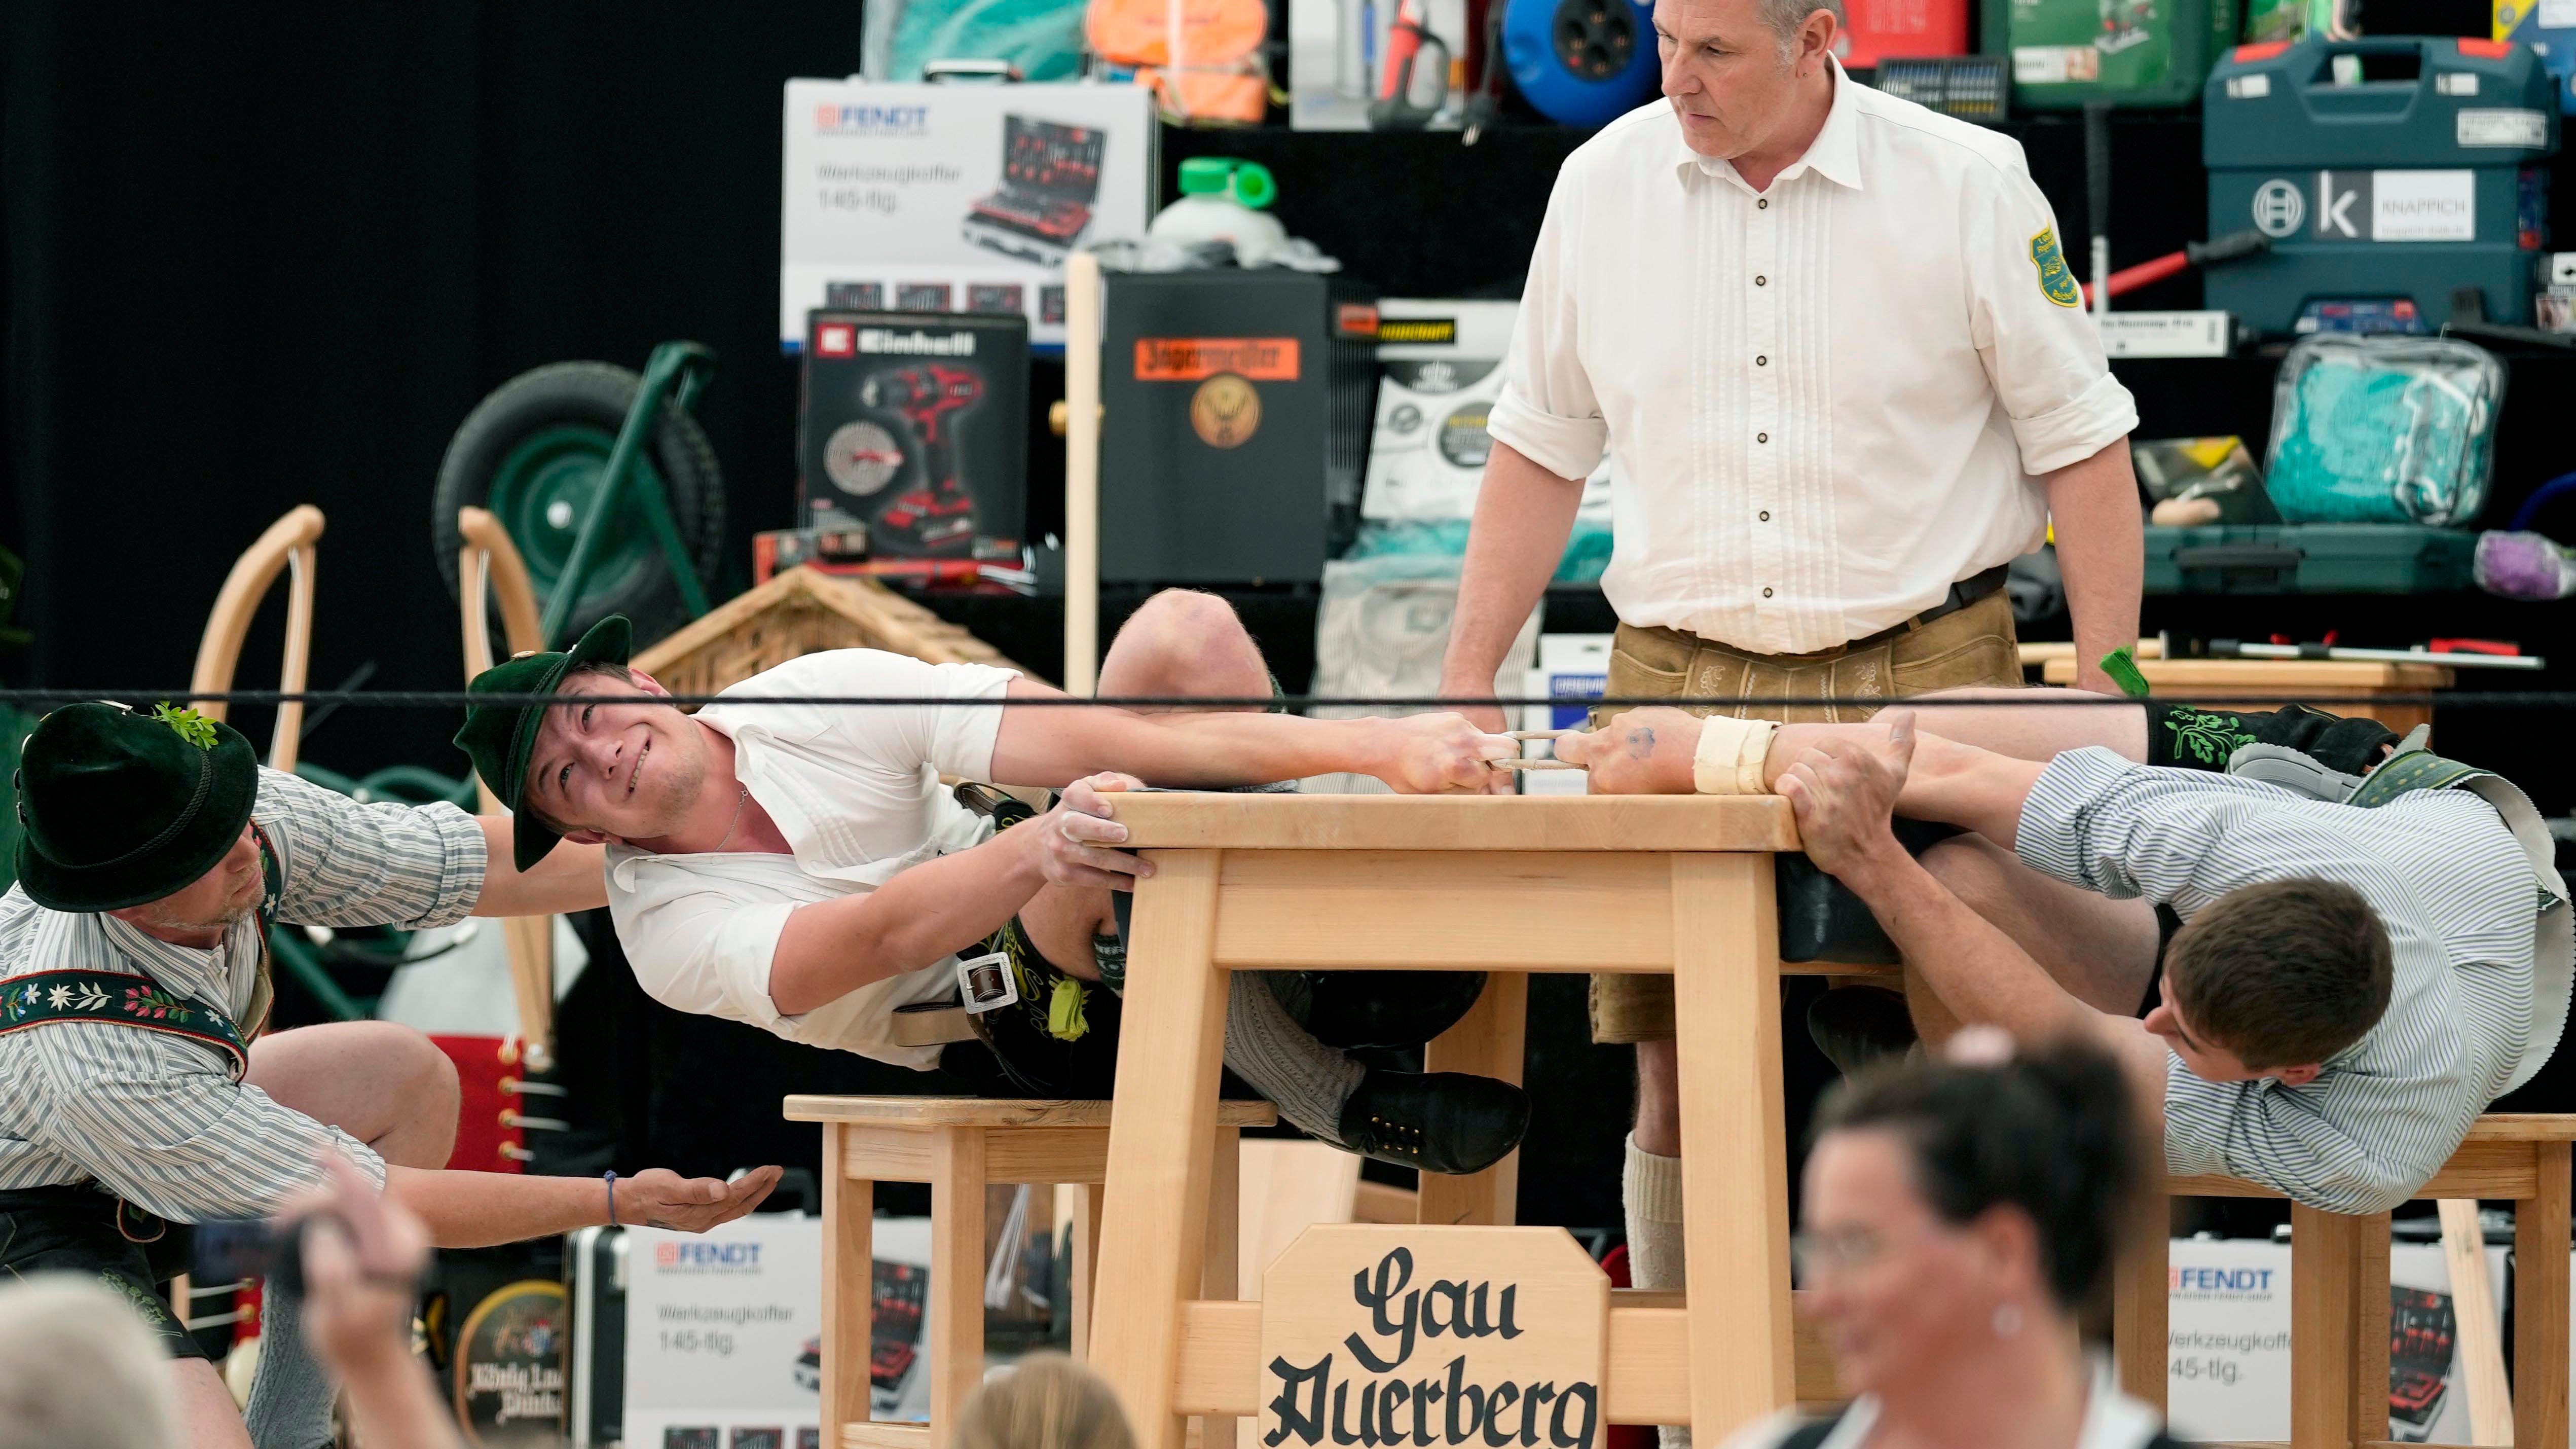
612 1198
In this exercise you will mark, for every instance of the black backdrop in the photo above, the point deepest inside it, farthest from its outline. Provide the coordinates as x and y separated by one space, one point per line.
262 256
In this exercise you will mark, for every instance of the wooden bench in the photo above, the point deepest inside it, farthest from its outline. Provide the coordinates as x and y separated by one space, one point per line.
2339 1290
957 1146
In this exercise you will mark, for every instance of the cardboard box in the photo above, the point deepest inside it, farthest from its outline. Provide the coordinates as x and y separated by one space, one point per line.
914 430
955 198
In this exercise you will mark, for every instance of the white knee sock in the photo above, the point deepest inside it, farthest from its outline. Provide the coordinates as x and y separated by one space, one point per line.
1651 1186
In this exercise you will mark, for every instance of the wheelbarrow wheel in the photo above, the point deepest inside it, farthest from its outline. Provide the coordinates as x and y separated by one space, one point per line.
533 453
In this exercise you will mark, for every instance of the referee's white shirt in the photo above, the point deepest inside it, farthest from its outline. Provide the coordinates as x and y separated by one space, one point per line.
1824 403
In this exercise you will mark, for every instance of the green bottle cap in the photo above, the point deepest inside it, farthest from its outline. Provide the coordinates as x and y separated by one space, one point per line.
1247 182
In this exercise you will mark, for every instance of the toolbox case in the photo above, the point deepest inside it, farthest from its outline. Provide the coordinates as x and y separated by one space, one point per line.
2309 558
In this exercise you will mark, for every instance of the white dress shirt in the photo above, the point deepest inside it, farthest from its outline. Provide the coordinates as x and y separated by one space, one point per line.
856 792
1824 403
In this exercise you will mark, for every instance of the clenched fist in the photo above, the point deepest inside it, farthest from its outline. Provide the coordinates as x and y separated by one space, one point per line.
1439 754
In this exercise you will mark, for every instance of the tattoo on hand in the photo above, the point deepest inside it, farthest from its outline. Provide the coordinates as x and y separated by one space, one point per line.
665 1225
1641 742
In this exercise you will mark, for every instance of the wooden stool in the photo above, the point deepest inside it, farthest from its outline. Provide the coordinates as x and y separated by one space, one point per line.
957 1146
1509 885
2339 1290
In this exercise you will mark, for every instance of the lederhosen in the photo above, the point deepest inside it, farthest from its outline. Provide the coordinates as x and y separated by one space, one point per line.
82 1227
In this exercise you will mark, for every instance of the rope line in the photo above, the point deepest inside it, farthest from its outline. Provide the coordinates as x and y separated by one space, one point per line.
2051 699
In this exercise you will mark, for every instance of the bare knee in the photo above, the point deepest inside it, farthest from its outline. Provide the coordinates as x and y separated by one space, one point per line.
1182 641
426 1100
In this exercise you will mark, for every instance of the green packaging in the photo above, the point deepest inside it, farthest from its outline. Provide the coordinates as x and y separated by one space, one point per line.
2065 53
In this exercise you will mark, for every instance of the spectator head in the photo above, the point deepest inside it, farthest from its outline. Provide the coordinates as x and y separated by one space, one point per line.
84 1373
1045 1401
1950 1204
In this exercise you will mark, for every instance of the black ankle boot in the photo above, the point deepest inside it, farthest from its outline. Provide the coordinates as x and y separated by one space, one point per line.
1447 1122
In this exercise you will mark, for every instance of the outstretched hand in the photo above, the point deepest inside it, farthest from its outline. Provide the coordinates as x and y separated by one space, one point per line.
1441 754
660 1198
1636 752
1844 791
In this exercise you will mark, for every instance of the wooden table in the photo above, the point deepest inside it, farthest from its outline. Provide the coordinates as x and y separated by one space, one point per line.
1678 884
2253 683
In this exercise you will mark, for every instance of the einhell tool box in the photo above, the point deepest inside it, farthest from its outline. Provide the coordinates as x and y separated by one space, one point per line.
2066 53
2388 172
2309 558
915 431
1234 423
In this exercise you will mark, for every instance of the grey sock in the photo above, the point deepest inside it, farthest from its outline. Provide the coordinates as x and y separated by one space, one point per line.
1308 1081
291 1394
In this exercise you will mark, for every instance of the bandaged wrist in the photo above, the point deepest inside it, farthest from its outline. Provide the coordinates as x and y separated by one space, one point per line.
1730 756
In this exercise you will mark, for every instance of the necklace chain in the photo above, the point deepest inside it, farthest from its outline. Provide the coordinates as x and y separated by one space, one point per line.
740 802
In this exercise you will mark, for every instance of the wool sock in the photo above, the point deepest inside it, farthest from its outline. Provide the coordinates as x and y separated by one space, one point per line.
1306 1080
1651 1187
290 1393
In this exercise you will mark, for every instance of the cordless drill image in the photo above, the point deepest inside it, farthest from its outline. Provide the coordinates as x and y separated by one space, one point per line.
938 517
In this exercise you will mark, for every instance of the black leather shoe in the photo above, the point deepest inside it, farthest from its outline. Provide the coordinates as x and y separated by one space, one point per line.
1446 1122
1855 1026
1388 1008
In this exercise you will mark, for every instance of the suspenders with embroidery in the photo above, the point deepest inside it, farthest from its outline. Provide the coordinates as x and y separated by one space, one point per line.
41 997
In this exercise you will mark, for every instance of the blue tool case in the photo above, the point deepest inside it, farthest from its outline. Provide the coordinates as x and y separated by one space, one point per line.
2388 171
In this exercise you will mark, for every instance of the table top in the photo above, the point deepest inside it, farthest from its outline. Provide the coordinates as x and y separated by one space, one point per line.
2281 675
1178 820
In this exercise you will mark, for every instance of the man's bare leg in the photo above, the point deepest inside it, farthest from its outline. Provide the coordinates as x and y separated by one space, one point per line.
2027 724
207 1413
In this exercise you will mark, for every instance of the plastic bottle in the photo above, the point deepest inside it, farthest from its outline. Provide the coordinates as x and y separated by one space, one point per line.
1222 200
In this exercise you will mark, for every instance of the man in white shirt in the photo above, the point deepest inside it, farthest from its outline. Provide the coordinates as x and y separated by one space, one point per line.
800 867
1843 373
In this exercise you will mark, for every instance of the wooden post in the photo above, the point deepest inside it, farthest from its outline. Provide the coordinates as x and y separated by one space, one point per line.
849 1297
956 1336
1218 1275
1489 1041
1162 1139
1083 304
2323 1248
1086 1264
1735 1168
2540 1250
2140 1299
2473 1308
2370 1330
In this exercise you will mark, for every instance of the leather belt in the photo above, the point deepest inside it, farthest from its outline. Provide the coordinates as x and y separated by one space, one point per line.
1975 588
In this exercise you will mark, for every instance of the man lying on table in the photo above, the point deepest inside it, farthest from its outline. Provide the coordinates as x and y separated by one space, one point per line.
136 1093
800 867
2344 986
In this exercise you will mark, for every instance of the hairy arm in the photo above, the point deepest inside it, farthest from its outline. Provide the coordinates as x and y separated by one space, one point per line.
1523 515
569 879
2101 550
1054 744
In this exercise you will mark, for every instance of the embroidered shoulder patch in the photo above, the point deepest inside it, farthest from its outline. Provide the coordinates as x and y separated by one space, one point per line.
2056 283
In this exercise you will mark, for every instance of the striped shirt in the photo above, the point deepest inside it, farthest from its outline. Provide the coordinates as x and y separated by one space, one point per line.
2446 878
157 1119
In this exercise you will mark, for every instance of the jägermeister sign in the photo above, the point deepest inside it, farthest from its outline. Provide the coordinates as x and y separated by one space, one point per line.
1433 1336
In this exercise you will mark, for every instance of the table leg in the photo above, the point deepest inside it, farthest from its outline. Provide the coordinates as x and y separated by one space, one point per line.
2323 1247
849 1288
1218 1276
1162 1139
1735 1151
956 1276
2141 1295
1086 1263
1487 1042
2540 1250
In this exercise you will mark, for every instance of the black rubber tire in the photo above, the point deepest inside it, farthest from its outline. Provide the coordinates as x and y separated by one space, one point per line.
599 395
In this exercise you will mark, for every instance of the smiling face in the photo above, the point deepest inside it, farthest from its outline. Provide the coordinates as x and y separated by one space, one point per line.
1729 77
1897 1290
614 771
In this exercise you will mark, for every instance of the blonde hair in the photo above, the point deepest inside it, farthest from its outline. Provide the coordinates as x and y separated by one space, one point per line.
1045 1401
84 1373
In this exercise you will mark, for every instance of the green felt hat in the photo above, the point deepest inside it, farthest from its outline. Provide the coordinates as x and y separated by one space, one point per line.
117 808
500 737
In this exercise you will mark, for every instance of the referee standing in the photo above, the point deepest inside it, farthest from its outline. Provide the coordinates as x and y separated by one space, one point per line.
1844 374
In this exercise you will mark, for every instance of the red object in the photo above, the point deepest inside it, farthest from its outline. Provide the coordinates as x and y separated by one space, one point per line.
1904 30
1403 44
2497 647
2263 50
2486 49
2130 279
488 1137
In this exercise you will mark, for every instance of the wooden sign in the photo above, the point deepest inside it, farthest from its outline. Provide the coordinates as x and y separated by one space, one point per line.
1385 1335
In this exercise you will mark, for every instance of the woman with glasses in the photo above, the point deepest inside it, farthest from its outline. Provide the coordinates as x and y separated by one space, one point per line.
1958 1214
